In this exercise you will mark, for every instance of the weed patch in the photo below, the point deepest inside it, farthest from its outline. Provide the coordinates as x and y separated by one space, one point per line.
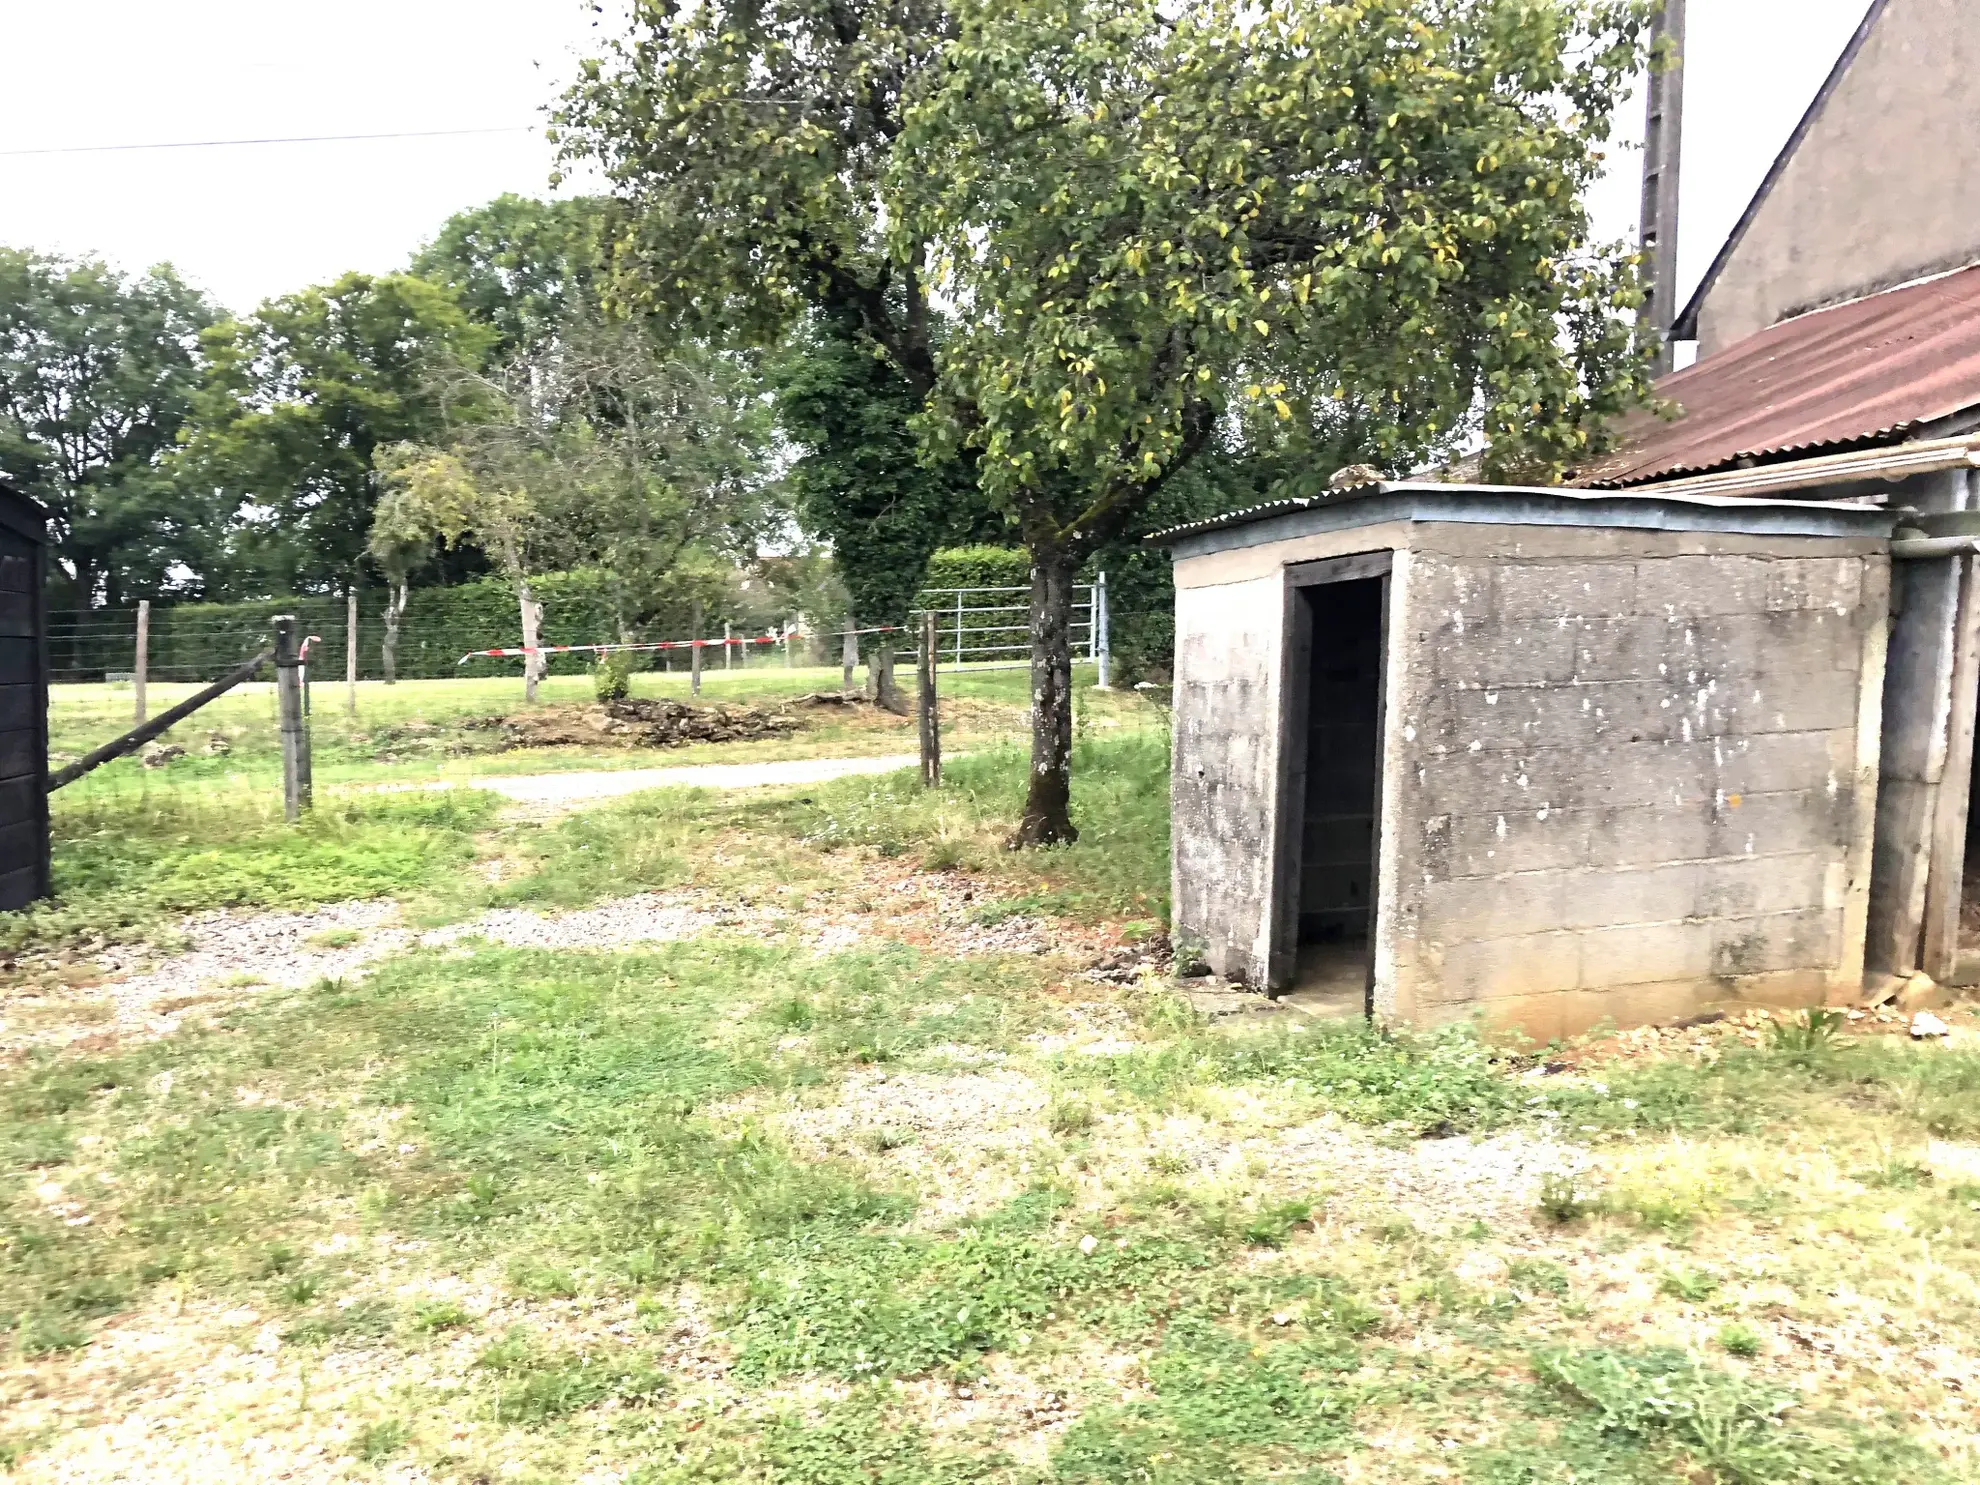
1739 1431
127 861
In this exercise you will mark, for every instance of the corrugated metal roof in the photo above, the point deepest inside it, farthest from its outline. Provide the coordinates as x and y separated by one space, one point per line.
1861 373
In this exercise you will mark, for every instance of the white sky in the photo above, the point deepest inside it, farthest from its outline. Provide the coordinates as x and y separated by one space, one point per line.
246 223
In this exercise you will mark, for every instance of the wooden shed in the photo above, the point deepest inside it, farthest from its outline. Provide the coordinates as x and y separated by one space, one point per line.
1551 757
23 702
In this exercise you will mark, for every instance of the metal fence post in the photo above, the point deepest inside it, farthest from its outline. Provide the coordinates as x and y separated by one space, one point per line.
295 731
728 647
931 724
848 656
1102 637
142 660
959 629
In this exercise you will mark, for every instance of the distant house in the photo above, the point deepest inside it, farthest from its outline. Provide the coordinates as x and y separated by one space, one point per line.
1877 186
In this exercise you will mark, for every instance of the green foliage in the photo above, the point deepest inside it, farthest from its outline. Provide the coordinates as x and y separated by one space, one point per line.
296 399
978 567
519 265
1564 1198
860 482
97 376
441 624
1328 216
1271 1226
1810 1035
749 143
860 1441
1737 1339
1692 1285
377 1442
611 676
861 1307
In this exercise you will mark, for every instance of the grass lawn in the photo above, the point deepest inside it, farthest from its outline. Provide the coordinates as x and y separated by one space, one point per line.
136 846
861 1171
421 729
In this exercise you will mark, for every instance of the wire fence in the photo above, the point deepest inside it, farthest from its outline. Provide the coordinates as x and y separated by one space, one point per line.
977 628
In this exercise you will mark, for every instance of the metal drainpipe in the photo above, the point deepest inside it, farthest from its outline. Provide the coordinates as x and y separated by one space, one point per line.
1918 548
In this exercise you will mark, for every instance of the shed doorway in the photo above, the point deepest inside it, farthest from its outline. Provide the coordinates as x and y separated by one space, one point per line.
1326 912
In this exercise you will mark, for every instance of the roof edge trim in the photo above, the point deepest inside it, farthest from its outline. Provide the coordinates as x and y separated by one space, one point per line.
1901 462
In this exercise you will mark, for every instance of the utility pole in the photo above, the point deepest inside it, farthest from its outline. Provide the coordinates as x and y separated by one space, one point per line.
1663 150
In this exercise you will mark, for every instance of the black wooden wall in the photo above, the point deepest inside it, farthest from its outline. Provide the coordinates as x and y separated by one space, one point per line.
23 704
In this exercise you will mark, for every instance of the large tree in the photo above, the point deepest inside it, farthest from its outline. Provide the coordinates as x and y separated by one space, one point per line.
1362 221
602 446
521 266
97 375
748 144
860 482
297 399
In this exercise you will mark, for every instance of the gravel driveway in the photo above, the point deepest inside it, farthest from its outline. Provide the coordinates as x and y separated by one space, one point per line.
577 788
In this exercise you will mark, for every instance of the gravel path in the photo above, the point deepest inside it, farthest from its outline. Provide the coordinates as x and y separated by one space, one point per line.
579 788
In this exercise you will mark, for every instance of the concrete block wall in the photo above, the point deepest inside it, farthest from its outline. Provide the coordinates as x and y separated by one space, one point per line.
1638 773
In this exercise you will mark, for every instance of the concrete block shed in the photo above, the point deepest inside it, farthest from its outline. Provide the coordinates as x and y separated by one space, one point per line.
23 703
1556 757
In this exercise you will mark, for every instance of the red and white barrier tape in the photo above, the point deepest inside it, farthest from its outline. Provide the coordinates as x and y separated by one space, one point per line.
664 644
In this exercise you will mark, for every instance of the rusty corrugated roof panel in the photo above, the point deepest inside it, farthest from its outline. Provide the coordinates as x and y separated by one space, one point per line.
1858 374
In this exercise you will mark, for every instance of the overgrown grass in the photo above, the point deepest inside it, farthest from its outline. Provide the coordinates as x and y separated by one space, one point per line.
764 843
127 860
1119 867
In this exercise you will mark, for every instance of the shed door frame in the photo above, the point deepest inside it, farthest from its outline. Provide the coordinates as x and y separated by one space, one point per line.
1295 683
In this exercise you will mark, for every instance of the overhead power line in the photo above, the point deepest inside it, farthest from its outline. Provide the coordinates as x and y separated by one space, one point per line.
214 144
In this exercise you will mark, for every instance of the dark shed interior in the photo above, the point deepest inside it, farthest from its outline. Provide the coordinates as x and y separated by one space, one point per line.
23 703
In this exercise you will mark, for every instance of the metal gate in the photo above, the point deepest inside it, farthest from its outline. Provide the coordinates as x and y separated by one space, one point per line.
990 628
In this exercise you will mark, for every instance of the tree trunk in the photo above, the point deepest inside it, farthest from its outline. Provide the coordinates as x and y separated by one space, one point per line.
880 687
395 607
532 628
1047 818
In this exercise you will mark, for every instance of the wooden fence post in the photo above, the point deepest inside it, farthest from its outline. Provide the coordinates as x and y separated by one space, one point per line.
295 731
931 722
848 656
694 655
728 647
142 662
350 653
